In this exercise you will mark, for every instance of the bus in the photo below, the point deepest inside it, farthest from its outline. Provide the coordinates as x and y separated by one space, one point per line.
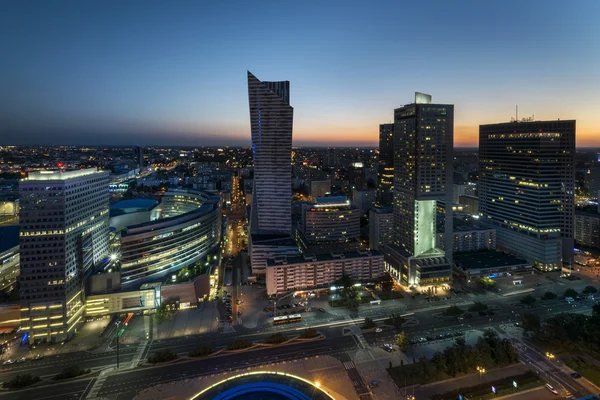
287 319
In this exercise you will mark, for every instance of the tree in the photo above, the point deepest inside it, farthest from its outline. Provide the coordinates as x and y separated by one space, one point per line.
549 296
402 341
276 338
531 322
71 371
201 351
596 310
486 283
478 306
369 323
387 285
239 343
21 381
453 311
528 300
161 356
589 290
309 333
570 292
395 320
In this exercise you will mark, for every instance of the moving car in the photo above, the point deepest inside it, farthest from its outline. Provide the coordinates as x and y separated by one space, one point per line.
22 359
37 357
576 375
550 388
388 347
8 362
322 309
378 330
373 384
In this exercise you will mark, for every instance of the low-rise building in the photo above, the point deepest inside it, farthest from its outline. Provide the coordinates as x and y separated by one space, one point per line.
479 264
315 271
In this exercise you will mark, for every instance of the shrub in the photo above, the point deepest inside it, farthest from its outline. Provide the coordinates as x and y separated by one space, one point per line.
201 351
161 356
589 290
72 371
276 338
453 311
21 381
395 320
549 296
309 333
528 300
239 344
571 293
478 306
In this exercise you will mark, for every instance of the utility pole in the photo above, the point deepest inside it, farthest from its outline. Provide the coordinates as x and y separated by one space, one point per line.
117 324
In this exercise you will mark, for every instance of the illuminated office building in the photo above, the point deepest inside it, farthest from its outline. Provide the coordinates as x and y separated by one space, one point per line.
526 188
385 173
423 148
64 218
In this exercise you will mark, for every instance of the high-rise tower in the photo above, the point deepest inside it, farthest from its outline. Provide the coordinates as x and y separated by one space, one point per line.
271 118
64 233
385 173
526 188
423 147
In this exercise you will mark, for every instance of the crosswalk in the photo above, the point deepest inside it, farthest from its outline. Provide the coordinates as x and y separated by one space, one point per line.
93 393
349 365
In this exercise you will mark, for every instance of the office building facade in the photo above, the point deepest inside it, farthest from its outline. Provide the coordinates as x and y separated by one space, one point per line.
526 189
423 148
385 172
271 119
381 227
64 219
587 229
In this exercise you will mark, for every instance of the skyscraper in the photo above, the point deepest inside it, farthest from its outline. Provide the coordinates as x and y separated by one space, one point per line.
385 172
271 118
138 153
423 147
526 188
64 219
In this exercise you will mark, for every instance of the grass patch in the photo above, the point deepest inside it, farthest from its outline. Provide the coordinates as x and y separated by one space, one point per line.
503 387
589 371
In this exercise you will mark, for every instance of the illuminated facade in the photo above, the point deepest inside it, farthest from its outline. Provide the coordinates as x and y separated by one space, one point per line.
526 189
190 230
381 227
423 144
64 233
385 173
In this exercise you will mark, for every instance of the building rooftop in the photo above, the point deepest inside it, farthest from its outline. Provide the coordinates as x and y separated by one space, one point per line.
135 205
287 260
332 201
60 175
486 259
9 237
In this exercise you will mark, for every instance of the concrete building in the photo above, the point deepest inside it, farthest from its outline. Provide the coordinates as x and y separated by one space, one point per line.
364 199
587 229
316 271
470 239
470 204
385 171
423 145
264 247
320 188
592 179
463 189
271 119
479 264
64 219
526 189
133 212
381 227
329 224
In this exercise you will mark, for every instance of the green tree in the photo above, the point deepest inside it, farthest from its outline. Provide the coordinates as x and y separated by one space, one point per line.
531 322
453 311
21 381
570 292
239 343
402 341
589 290
369 324
309 333
395 320
478 306
201 351
162 356
72 371
528 300
276 338
549 296
486 283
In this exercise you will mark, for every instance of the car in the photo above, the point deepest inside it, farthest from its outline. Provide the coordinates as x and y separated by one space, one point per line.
388 347
37 357
22 359
517 324
321 309
378 330
498 290
576 375
550 388
373 384
8 362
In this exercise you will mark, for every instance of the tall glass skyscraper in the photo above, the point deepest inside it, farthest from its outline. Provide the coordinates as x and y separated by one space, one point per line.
64 232
423 147
526 188
271 118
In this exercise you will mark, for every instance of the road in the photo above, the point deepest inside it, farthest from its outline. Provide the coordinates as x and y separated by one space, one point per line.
428 322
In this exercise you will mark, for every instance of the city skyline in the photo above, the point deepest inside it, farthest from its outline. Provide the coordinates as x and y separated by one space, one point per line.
113 74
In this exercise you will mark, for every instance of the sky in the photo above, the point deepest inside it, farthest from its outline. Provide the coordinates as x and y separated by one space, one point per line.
174 72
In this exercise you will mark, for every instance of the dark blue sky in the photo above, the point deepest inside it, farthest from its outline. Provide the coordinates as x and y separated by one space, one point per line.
150 72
